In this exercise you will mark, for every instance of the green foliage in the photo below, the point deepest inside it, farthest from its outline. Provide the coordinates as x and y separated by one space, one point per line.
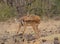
34 7
43 8
6 12
38 7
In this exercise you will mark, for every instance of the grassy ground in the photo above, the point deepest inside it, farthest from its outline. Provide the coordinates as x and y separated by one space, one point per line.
48 31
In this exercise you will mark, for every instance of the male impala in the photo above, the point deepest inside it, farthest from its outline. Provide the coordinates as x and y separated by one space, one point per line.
30 20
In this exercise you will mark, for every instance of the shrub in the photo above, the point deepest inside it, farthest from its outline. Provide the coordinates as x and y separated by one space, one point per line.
6 12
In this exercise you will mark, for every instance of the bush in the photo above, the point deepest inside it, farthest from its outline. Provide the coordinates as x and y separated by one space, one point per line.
6 12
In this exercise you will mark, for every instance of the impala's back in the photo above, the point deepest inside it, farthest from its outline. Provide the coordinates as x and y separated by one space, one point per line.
30 18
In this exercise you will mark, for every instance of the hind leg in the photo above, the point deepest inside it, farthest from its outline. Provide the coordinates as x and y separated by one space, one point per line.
35 28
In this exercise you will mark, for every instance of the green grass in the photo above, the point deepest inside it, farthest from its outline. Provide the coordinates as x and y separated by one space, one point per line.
6 12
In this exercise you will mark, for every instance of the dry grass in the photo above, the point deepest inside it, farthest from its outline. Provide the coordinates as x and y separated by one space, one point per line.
8 30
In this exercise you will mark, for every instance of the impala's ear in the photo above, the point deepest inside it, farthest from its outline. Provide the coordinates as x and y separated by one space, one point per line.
16 20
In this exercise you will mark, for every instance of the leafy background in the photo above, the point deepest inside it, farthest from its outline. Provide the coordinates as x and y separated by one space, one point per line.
43 8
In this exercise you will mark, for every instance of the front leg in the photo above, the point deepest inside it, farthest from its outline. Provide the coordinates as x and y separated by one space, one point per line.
25 25
35 28
19 28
